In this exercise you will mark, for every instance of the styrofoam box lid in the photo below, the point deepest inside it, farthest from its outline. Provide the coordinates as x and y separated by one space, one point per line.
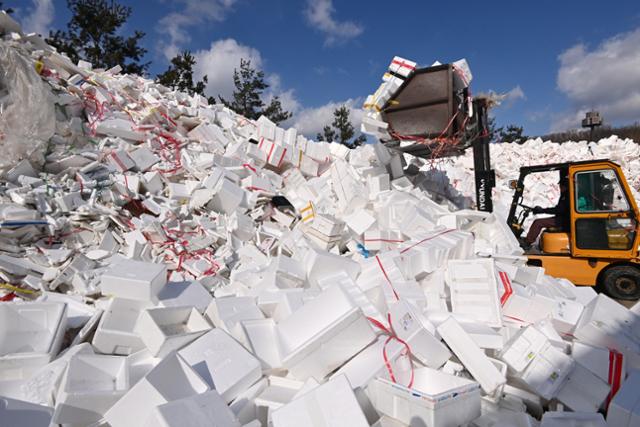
206 409
29 327
135 270
314 317
178 320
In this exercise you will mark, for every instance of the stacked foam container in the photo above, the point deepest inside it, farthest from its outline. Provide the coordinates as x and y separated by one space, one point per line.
165 262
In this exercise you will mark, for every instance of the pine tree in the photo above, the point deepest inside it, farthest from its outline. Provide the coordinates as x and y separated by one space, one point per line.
93 34
247 97
341 129
512 133
8 10
179 75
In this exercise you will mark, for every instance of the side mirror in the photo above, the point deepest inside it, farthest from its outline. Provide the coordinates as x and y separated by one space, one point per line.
513 184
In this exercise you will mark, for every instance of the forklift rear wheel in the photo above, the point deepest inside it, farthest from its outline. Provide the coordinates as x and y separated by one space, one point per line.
622 282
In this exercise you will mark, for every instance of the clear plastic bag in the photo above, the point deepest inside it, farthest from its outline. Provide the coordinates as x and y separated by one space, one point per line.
27 111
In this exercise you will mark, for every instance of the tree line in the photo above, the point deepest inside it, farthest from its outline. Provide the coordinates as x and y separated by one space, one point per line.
94 34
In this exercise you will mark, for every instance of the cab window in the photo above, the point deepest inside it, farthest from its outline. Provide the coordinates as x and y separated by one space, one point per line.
599 191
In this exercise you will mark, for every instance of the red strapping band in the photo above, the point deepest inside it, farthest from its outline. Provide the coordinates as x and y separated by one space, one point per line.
118 161
426 240
403 64
384 272
392 336
615 373
508 290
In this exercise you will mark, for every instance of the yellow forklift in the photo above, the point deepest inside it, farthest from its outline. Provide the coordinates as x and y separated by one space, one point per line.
433 115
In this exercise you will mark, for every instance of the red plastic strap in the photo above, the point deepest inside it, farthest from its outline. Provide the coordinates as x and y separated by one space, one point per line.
403 64
508 290
387 277
118 161
392 336
251 168
281 158
273 145
615 373
8 297
426 240
384 240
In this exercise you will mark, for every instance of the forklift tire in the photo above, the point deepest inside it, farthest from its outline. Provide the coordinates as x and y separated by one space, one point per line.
622 282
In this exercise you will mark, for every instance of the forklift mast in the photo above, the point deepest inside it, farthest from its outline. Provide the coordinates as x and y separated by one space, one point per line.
432 115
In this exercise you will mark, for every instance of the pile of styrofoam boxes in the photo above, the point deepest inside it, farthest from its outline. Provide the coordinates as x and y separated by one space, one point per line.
173 263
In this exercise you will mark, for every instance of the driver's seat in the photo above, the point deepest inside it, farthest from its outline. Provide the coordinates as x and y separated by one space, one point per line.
555 241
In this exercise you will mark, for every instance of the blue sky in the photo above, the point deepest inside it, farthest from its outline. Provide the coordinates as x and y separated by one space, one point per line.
554 59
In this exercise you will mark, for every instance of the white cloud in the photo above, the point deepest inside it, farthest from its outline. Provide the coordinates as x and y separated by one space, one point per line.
192 13
320 13
39 17
606 78
218 63
310 121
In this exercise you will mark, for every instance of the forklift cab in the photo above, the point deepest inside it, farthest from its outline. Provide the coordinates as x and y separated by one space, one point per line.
599 243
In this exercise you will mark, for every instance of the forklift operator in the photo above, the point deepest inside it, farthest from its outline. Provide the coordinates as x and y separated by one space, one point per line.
560 212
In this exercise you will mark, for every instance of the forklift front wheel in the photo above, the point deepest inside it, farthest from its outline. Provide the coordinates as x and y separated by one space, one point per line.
622 282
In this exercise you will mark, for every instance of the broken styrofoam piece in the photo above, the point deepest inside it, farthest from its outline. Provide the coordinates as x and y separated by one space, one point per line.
583 391
474 359
331 404
228 313
16 413
435 399
172 379
199 410
91 385
134 280
165 329
223 363
116 331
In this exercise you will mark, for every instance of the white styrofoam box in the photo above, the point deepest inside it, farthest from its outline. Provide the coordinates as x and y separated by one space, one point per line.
474 290
370 363
608 365
228 196
471 356
547 372
121 128
205 132
606 323
143 158
166 329
566 314
385 421
276 153
90 386
169 380
436 399
223 363
319 264
116 330
524 306
376 184
402 66
191 294
583 390
289 272
121 160
323 334
360 221
625 405
228 312
333 404
413 328
523 348
327 225
200 410
263 341
484 336
134 280
30 336
276 394
244 406
504 418
17 413
573 419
